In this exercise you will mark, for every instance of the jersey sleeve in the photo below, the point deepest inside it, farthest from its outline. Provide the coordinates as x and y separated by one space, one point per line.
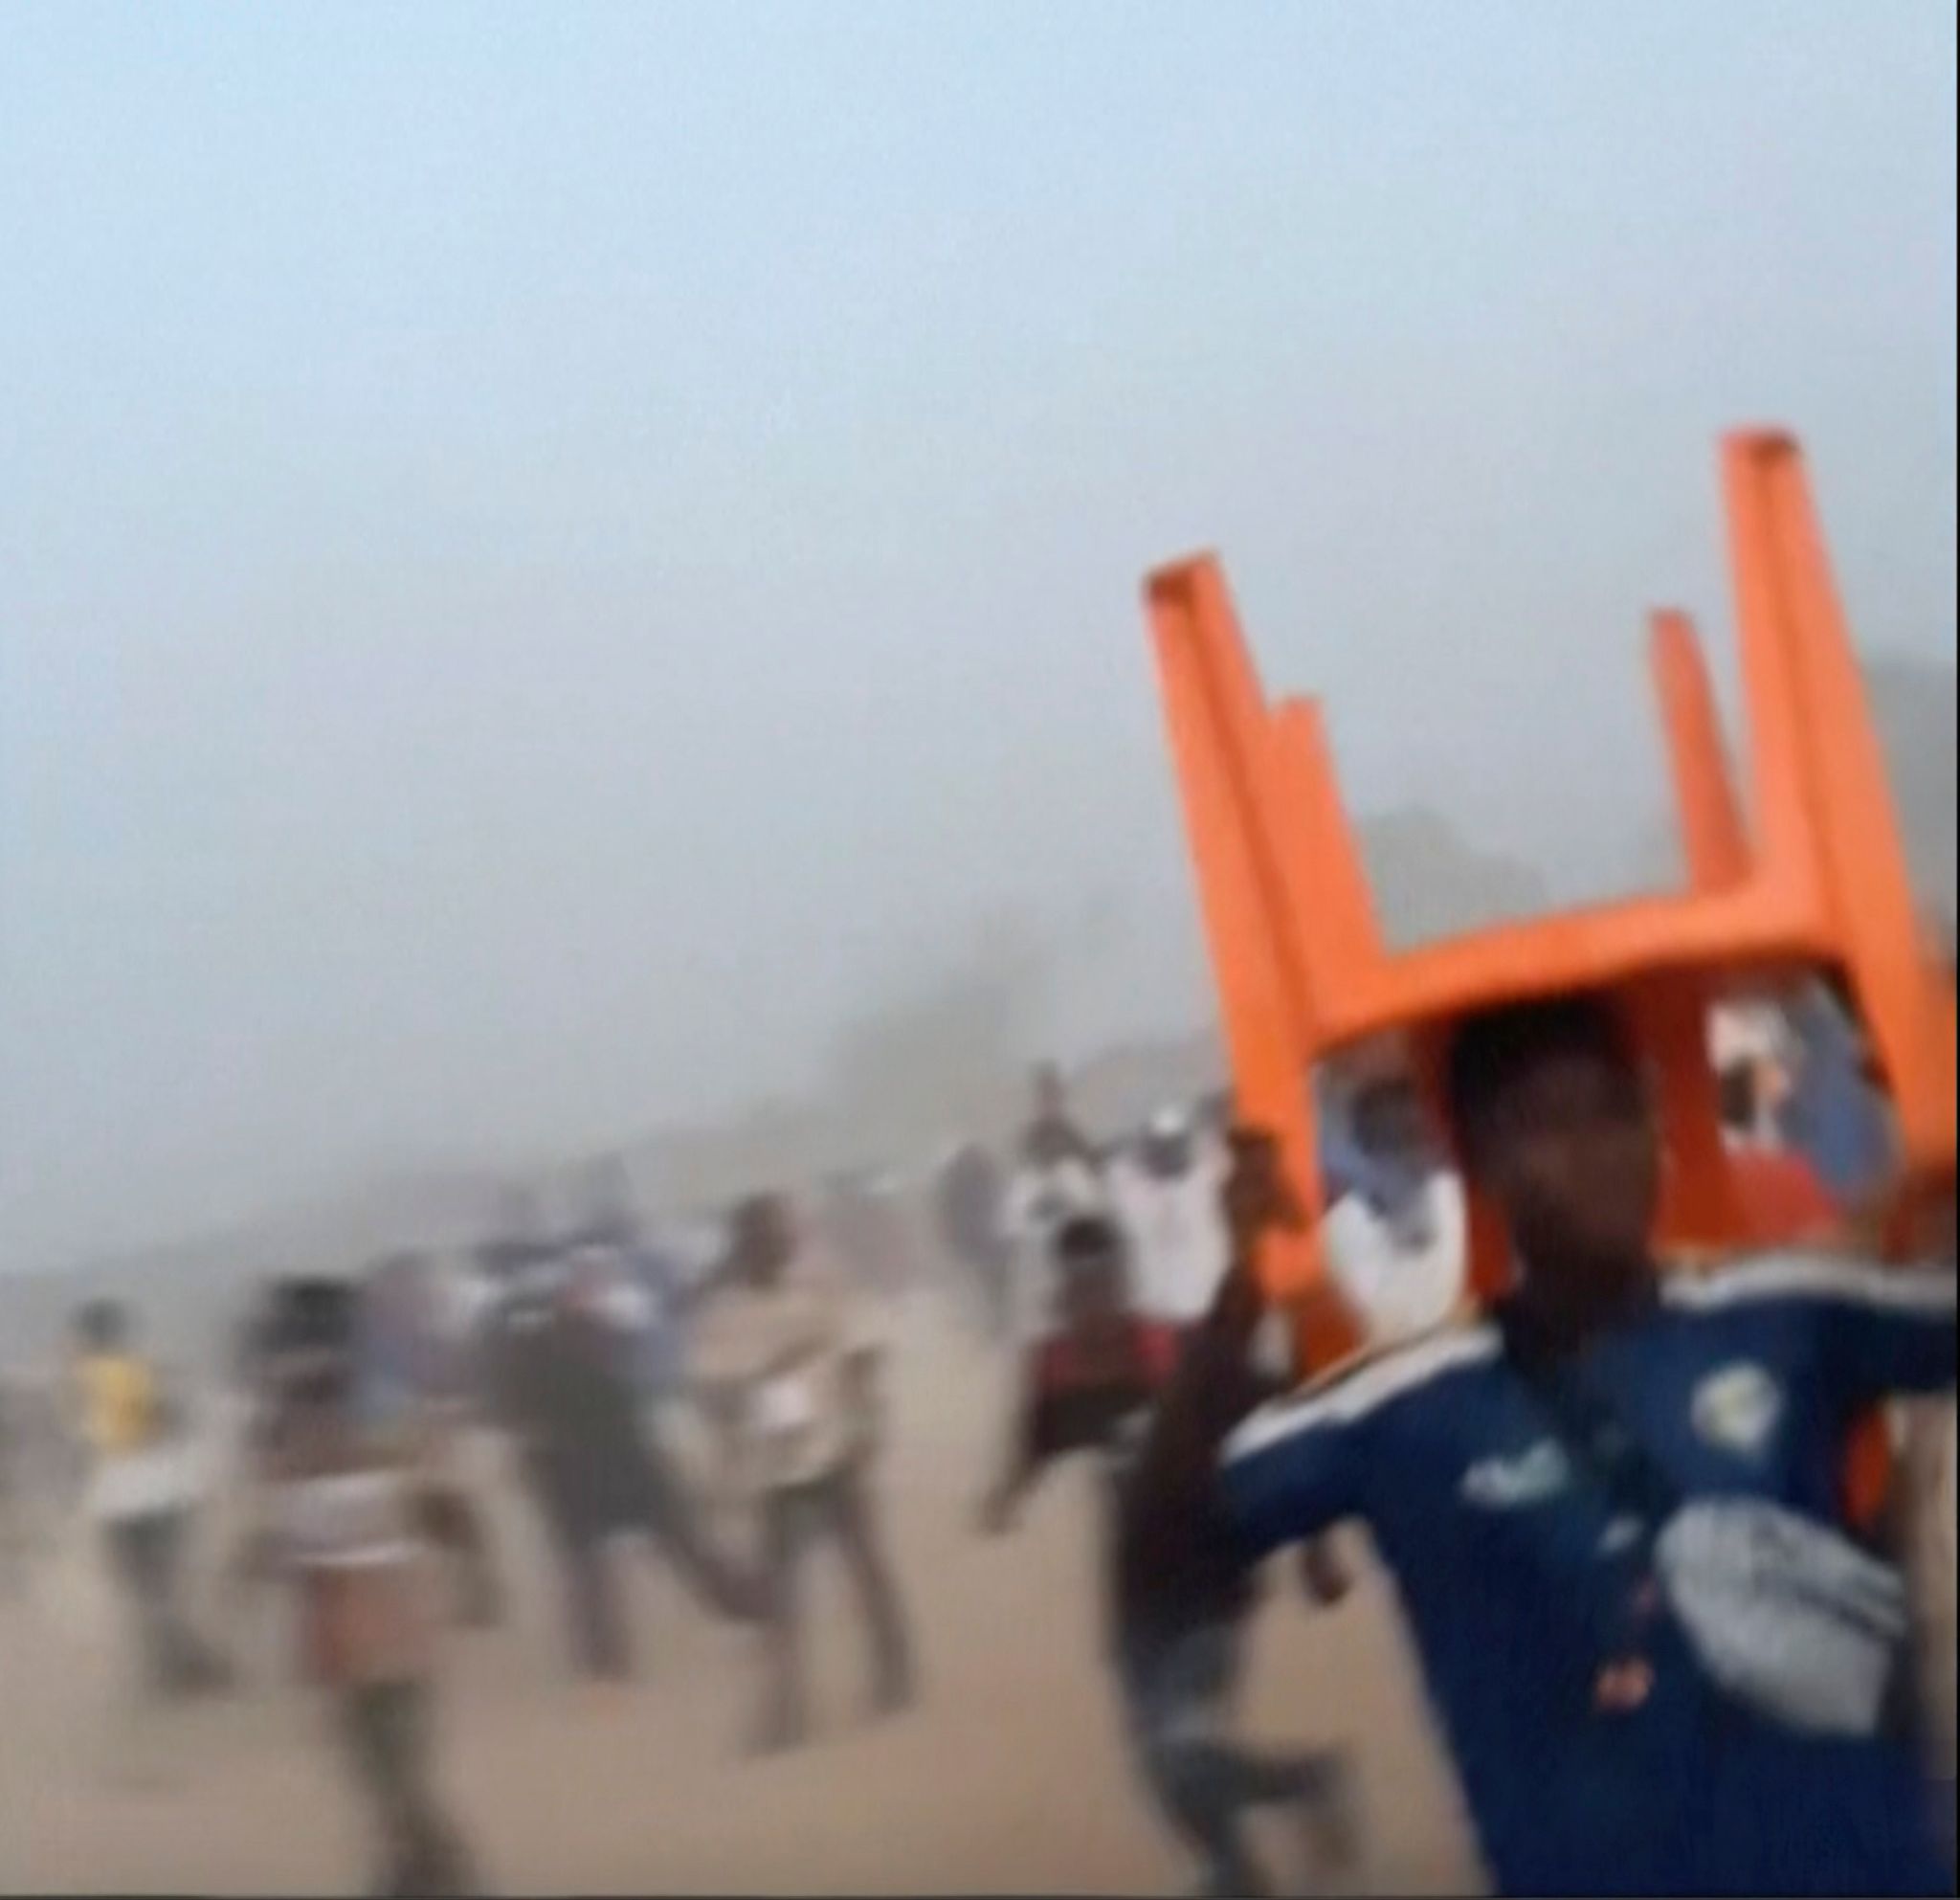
1873 1330
1890 1329
1292 1469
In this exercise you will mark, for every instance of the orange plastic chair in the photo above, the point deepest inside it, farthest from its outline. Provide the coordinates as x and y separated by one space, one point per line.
1713 840
1302 973
1716 850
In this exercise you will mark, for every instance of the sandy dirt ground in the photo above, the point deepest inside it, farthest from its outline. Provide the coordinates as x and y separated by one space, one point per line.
1008 1778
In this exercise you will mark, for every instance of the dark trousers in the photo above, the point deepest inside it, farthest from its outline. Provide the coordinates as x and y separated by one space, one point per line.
146 1554
643 1496
385 1727
840 1509
1178 1696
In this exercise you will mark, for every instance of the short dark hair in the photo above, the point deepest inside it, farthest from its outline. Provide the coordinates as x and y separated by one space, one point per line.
1489 1050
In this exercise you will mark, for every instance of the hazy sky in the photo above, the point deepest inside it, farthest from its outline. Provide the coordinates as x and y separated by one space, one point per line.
547 551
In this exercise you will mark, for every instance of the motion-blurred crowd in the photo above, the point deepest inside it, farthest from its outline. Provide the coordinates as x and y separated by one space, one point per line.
716 1392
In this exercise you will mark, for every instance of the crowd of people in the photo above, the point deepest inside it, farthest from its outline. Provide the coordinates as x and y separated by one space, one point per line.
1562 1485
587 1352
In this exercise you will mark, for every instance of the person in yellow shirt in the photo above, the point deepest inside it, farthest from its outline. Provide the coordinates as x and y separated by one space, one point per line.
141 1491
119 1392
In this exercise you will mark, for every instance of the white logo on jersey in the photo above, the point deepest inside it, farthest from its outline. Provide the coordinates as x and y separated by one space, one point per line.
1508 1484
1737 1408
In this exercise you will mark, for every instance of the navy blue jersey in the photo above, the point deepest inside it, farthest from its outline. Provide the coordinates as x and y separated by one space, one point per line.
1515 1572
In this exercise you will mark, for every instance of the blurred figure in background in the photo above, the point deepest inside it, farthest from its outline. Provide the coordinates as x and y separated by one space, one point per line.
414 1372
1784 1200
143 1489
1167 1192
1058 1175
1090 1388
971 1194
638 1280
1397 1227
786 1364
344 1493
559 1374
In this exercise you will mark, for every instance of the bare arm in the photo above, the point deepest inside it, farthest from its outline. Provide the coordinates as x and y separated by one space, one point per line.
1174 1511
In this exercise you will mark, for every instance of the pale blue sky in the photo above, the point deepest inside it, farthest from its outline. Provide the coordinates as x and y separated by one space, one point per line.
546 550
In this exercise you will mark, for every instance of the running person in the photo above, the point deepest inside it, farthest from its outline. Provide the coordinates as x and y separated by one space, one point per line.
412 1365
1060 1176
784 1363
1165 1192
343 1491
563 1388
1090 1389
142 1490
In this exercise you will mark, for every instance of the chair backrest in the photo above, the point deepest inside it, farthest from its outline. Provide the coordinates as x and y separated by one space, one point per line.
1819 880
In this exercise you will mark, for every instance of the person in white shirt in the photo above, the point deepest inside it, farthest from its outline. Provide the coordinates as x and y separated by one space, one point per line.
1167 1194
147 1482
1396 1235
787 1359
1045 1195
1058 1178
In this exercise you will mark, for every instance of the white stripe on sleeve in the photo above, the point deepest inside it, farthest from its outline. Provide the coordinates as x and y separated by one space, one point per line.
1786 1276
1352 1395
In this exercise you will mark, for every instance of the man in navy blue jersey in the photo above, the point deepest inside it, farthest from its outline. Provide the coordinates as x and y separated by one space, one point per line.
1562 1486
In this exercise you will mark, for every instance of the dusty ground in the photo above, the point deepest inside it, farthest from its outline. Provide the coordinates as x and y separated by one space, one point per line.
1008 1777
